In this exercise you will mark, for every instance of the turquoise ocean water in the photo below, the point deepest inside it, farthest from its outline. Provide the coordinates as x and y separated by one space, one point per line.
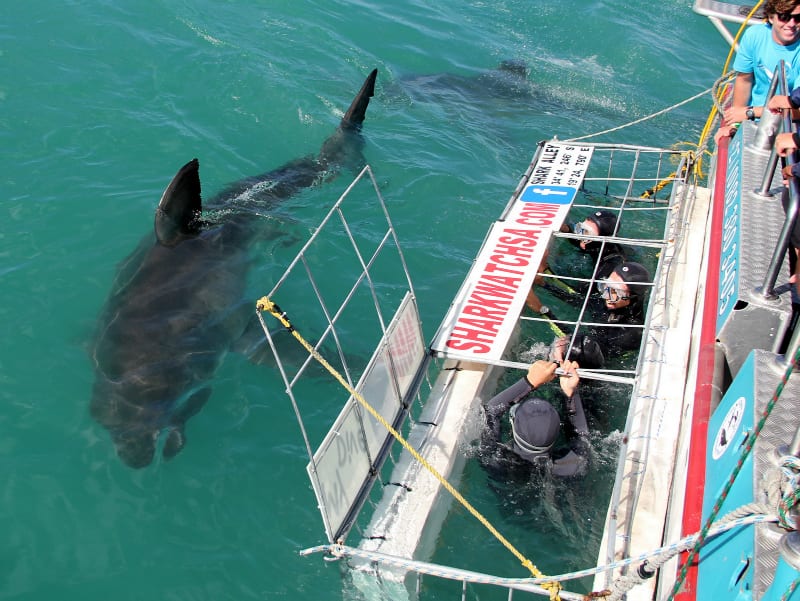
101 102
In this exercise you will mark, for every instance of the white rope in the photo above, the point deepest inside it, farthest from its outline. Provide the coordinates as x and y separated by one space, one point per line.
661 112
753 514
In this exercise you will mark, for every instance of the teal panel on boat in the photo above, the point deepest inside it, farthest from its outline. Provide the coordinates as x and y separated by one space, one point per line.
731 233
726 561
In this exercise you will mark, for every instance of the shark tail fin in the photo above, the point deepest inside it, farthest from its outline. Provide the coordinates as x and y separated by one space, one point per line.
178 212
354 116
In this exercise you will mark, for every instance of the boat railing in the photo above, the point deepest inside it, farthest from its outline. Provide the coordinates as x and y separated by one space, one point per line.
769 126
719 13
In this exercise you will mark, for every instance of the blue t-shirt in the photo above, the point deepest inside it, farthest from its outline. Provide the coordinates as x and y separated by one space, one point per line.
760 54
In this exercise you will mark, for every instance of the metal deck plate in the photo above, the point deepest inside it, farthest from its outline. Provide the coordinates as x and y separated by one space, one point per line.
756 322
779 429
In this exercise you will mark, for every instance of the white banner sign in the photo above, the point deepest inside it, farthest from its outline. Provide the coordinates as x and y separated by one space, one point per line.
482 317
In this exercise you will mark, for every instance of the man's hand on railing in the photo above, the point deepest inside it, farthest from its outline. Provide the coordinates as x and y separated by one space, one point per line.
778 103
785 143
786 172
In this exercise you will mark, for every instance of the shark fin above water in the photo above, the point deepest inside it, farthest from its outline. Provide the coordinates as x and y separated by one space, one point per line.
178 212
343 148
355 114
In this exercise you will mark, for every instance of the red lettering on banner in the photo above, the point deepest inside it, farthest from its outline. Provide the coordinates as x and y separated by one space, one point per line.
511 262
483 344
482 324
529 241
496 291
497 268
514 251
499 279
483 311
468 346
488 302
524 236
486 308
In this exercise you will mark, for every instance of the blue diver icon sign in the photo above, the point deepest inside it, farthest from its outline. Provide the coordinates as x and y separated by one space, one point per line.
554 195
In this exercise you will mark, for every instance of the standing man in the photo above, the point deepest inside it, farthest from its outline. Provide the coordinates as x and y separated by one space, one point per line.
761 49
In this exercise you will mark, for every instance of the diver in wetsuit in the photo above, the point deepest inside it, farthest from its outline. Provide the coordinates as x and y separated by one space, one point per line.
605 256
623 296
535 424
608 255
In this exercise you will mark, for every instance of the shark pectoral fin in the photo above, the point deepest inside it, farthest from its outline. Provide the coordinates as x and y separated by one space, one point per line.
178 212
253 344
176 439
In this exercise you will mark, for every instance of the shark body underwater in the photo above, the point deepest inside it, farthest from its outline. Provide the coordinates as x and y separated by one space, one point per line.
509 81
177 305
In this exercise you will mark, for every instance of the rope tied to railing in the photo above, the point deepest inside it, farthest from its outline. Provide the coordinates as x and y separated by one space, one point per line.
265 304
648 562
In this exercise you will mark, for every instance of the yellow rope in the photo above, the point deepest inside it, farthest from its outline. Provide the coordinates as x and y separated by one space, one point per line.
687 154
560 283
554 326
265 304
712 115
659 186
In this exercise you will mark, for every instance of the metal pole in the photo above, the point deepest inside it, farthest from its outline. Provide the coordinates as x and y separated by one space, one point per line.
768 286
794 448
769 123
766 182
773 118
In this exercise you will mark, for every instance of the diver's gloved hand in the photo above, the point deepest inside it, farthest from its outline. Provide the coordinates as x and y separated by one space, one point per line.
569 381
540 373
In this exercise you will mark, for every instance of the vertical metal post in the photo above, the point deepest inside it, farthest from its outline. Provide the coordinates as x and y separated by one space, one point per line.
770 123
771 275
783 361
769 172
794 448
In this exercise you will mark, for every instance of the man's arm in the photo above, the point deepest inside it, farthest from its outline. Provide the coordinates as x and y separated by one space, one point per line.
576 461
735 114
576 414
569 385
742 90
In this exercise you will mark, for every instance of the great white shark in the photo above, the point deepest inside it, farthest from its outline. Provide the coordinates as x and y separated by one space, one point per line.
177 304
509 81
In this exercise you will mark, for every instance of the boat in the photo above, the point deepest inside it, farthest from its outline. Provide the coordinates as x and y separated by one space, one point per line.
705 487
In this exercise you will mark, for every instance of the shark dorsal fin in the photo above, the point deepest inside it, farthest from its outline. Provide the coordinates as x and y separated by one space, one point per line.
178 212
354 116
